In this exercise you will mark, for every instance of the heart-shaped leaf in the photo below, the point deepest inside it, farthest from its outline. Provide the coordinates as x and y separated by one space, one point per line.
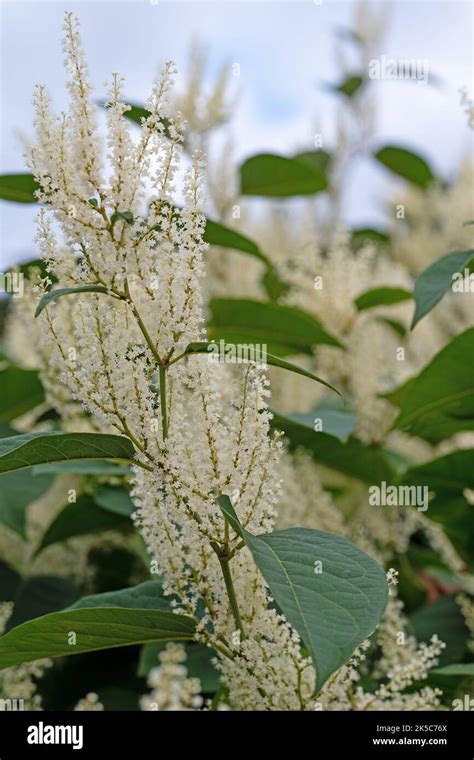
331 592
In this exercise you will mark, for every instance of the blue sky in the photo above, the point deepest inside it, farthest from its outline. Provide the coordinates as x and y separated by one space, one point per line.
286 53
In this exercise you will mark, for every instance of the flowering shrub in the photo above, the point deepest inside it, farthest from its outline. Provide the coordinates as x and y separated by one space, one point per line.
255 480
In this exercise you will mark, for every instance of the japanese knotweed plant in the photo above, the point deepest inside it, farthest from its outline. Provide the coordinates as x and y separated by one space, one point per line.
205 472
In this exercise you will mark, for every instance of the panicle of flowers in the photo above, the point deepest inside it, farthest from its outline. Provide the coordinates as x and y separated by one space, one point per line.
303 499
327 284
433 225
467 608
171 687
199 430
203 109
440 542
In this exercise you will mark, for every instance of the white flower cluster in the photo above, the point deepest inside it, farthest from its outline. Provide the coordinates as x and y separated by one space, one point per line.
467 608
171 688
434 222
202 108
198 429
201 430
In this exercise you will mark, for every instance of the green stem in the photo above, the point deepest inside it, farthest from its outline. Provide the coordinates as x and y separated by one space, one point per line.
146 335
164 413
231 594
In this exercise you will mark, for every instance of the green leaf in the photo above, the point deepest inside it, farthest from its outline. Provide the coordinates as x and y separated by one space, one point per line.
136 113
451 509
17 491
114 499
284 330
204 347
41 595
21 451
316 159
87 467
53 295
406 164
458 669
19 188
398 395
339 423
439 402
361 235
433 282
369 464
217 234
6 430
146 596
20 391
381 297
394 325
276 176
452 472
95 628
274 285
80 518
349 86
333 609
125 216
